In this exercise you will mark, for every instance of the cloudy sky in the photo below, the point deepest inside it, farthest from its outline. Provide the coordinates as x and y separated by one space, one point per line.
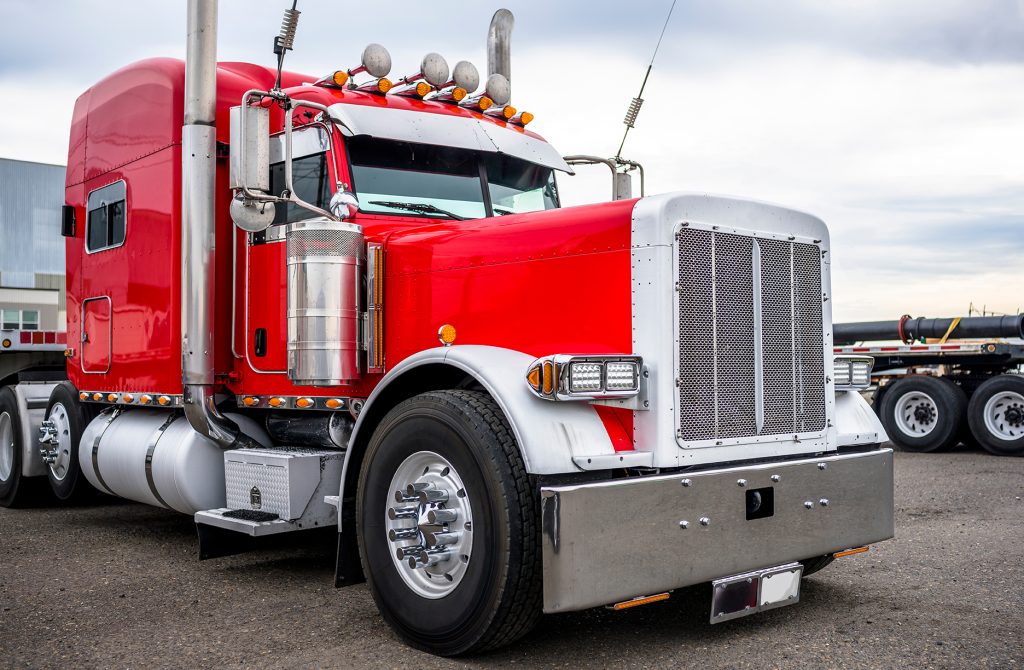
899 122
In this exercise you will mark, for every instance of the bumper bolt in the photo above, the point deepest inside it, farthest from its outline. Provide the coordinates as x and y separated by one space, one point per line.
808 504
686 482
705 521
775 478
822 466
823 502
684 525
741 483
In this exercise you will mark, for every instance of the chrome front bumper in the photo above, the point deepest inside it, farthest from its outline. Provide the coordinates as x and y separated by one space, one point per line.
610 541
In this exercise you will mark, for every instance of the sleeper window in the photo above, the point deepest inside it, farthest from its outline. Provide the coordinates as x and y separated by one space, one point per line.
107 219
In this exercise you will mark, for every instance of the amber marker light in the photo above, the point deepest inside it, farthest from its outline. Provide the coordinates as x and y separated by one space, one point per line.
508 111
97 396
250 401
446 334
340 78
83 396
850 552
533 378
111 397
484 103
549 378
384 84
276 402
7 343
333 403
164 400
636 602
458 93
145 399
522 118
128 398
304 403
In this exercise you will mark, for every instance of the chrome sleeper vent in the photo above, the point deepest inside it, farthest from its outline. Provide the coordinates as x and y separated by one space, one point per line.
751 355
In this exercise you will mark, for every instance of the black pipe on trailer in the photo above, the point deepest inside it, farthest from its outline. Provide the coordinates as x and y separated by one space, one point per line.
910 329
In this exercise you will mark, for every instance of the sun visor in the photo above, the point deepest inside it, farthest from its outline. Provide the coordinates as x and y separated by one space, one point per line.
444 130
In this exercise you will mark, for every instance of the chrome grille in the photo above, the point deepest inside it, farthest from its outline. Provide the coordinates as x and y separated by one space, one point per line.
751 357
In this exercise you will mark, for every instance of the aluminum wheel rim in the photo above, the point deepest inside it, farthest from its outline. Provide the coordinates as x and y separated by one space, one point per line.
429 524
916 414
6 446
997 422
61 442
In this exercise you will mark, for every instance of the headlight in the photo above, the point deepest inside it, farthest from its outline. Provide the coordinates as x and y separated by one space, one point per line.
852 372
566 377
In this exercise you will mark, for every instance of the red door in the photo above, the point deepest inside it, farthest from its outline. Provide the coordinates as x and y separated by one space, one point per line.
96 330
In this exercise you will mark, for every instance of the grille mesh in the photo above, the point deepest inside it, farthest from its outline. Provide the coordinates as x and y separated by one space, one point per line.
324 242
718 352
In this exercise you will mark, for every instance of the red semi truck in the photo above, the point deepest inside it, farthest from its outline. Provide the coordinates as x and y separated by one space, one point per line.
299 302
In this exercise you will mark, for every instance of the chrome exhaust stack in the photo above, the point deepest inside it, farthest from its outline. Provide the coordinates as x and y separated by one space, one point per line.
198 233
499 46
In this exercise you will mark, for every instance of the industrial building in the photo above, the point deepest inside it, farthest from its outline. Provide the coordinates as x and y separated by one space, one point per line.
32 292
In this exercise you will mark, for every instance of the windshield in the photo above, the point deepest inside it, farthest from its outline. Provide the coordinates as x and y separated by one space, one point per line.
424 180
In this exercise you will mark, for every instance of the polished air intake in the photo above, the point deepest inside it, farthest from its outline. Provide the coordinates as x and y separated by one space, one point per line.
325 264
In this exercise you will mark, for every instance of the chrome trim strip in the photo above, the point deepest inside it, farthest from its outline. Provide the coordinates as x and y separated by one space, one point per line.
756 281
96 449
150 449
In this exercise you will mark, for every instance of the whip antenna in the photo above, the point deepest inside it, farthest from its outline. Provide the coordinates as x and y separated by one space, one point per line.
638 101
286 38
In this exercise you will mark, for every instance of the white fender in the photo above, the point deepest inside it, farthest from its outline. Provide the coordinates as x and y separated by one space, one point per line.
554 437
856 422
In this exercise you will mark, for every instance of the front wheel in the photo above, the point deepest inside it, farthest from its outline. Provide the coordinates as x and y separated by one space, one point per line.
448 525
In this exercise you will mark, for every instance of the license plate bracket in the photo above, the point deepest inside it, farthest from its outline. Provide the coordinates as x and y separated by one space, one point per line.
756 591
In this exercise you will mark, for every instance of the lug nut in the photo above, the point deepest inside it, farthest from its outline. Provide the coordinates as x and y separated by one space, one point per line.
413 489
402 496
410 512
442 515
440 539
405 552
403 534
433 496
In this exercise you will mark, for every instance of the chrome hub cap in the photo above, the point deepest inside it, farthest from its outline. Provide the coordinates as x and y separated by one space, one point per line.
429 524
6 446
1004 415
916 414
55 441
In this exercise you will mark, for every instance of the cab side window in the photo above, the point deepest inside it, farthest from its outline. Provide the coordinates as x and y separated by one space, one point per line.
106 220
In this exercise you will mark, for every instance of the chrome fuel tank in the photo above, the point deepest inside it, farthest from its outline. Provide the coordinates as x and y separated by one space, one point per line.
155 457
325 262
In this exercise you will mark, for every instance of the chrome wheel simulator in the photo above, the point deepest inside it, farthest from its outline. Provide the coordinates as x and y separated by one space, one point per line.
430 525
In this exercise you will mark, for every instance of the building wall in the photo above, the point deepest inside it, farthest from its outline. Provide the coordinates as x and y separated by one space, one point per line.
31 247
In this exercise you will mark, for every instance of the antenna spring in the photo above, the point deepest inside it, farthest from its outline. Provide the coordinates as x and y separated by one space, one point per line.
289 23
633 111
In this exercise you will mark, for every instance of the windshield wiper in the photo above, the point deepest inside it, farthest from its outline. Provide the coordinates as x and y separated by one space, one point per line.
503 212
421 207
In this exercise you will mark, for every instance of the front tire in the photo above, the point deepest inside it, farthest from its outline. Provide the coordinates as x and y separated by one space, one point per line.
922 413
461 461
996 415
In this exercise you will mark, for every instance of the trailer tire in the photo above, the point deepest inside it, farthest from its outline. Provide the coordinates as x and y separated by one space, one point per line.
65 475
16 490
922 413
487 592
996 415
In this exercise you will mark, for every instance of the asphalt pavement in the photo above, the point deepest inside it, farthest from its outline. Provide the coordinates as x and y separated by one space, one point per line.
117 584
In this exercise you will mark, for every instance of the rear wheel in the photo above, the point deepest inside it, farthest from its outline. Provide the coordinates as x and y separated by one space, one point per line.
15 489
996 415
922 413
67 419
447 523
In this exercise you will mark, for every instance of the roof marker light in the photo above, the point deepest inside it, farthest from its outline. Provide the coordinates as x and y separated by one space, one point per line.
521 119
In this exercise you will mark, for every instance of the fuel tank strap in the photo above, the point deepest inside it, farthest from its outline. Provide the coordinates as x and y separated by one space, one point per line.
150 449
96 449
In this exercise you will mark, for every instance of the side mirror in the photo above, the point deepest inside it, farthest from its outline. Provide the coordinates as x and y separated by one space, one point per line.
344 204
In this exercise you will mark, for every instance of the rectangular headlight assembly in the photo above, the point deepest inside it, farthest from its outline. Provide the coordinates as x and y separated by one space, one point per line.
569 377
852 373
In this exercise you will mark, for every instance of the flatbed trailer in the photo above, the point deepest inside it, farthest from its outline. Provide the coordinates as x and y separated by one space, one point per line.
932 396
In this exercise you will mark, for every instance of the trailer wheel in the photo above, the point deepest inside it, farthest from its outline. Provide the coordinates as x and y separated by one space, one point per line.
922 413
15 490
69 418
448 525
996 415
